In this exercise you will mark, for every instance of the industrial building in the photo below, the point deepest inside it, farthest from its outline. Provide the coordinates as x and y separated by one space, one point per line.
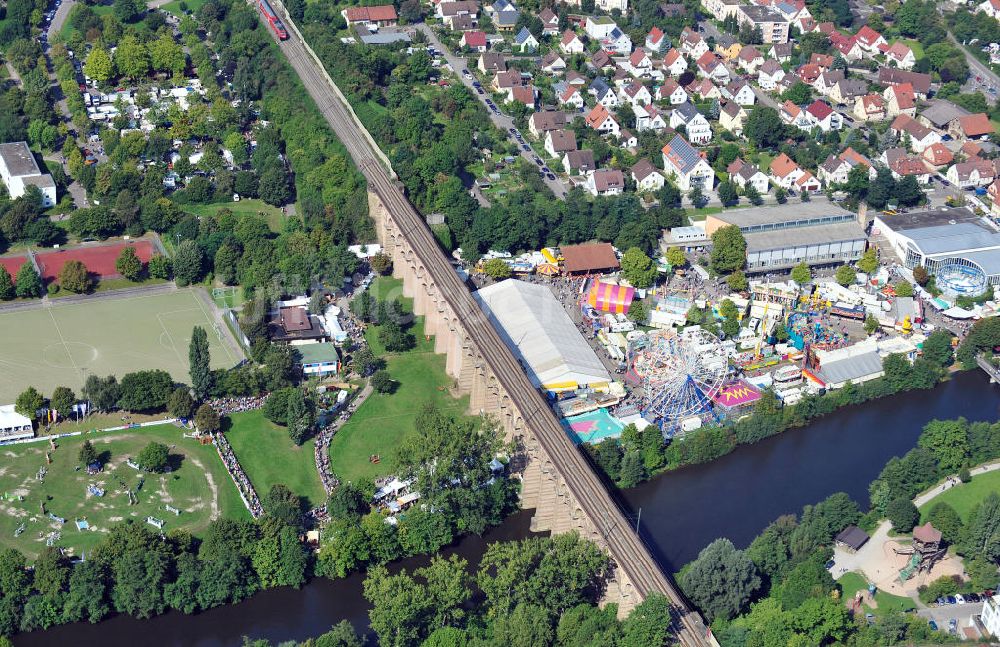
781 237
960 248
19 170
536 328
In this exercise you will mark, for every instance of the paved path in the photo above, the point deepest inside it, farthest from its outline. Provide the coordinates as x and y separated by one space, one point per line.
980 69
501 121
62 13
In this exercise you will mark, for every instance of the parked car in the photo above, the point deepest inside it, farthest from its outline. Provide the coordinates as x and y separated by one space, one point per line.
940 602
953 626
951 599
828 565
538 161
972 597
959 598
526 147
551 176
932 625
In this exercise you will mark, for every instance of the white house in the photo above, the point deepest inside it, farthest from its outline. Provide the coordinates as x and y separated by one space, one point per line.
741 92
568 95
784 171
611 5
901 55
870 40
971 174
524 41
639 63
744 175
820 114
605 182
617 42
770 73
635 94
698 130
571 43
674 63
655 40
647 177
19 170
647 117
553 63
598 27
687 166
692 43
603 121
672 92
991 605
550 22
559 142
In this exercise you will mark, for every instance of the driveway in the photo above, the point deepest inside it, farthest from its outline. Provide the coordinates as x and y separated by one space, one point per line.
501 121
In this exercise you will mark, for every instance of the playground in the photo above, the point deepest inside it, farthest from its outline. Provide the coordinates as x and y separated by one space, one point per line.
60 345
593 427
49 499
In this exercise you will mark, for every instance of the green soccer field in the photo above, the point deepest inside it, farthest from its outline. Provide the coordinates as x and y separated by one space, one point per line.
62 344
199 487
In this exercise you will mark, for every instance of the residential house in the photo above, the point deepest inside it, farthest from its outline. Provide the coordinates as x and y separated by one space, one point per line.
807 183
687 166
732 116
846 92
920 136
605 182
525 42
750 59
463 22
808 73
506 20
571 43
743 174
474 40
601 61
628 141
727 47
648 117
823 61
793 115
901 56
692 44
491 63
941 114
902 165
524 94
568 95
617 42
781 52
506 80
921 83
542 122
559 142
741 92
826 81
598 27
937 155
674 63
871 41
703 89
656 40
721 9
974 127
900 100
553 63
989 7
647 177
870 107
671 92
604 93
836 168
603 121
639 63
784 171
448 10
711 66
769 75
380 15
578 162
785 83
611 5
698 130
773 26
847 47
550 22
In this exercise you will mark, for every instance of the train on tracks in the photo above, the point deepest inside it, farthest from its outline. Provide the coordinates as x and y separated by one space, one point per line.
272 19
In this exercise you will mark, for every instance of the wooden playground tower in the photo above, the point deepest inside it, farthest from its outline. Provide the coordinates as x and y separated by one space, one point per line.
925 551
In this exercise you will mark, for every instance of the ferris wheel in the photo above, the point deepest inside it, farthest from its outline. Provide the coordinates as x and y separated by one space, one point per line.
679 373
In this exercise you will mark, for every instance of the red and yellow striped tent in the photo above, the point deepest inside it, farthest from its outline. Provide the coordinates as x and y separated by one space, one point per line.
607 297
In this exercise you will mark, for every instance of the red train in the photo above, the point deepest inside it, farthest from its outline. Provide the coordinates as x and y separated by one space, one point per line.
272 19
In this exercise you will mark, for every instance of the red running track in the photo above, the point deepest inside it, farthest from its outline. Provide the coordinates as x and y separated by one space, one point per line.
12 264
99 260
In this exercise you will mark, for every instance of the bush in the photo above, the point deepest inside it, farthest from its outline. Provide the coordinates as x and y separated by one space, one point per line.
154 457
903 514
942 586
964 475
382 382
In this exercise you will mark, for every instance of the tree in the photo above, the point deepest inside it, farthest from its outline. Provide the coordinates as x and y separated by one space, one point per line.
29 402
527 625
128 264
399 607
649 623
6 286
845 275
633 471
28 283
730 318
168 56
98 65
908 193
381 263
921 275
160 267
638 268
937 348
145 390
382 382
273 187
721 581
62 400
676 258
801 274
637 312
299 416
87 453
799 93
87 598
697 197
868 262
903 514
206 419
180 404
871 323
737 281
948 441
944 518
903 289
188 262
729 249
781 195
132 58
753 195
764 127
199 360
128 10
728 194
74 277
497 269
394 338
154 457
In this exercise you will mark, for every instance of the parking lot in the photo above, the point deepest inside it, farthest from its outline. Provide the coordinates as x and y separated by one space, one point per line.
952 616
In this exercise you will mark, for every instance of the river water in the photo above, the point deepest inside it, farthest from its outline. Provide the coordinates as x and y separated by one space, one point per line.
734 496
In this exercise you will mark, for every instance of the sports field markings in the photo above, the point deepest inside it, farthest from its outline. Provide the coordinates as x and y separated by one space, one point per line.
212 322
169 336
65 345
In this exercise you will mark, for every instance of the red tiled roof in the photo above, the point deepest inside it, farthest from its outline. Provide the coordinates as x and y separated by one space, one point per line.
372 14
976 125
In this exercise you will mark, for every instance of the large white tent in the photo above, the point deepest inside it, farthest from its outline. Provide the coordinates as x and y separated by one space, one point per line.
537 329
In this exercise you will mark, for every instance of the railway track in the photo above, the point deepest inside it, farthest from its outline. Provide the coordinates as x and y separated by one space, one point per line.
625 546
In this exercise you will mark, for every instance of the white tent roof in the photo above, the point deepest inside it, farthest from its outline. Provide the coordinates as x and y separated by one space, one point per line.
537 329
11 419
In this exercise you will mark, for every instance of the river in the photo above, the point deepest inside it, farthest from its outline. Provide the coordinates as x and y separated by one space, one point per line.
734 496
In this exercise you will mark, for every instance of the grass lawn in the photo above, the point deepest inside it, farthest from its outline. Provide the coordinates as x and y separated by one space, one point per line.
383 421
199 487
964 497
105 285
275 219
269 456
176 9
851 583
918 49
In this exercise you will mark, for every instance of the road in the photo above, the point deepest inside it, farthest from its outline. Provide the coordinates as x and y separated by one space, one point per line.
980 69
62 13
501 121
623 544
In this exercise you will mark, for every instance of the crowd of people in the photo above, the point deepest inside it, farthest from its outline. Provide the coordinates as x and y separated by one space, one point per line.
247 492
226 406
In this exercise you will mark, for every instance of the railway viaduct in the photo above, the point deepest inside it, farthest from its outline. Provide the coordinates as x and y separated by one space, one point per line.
557 482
